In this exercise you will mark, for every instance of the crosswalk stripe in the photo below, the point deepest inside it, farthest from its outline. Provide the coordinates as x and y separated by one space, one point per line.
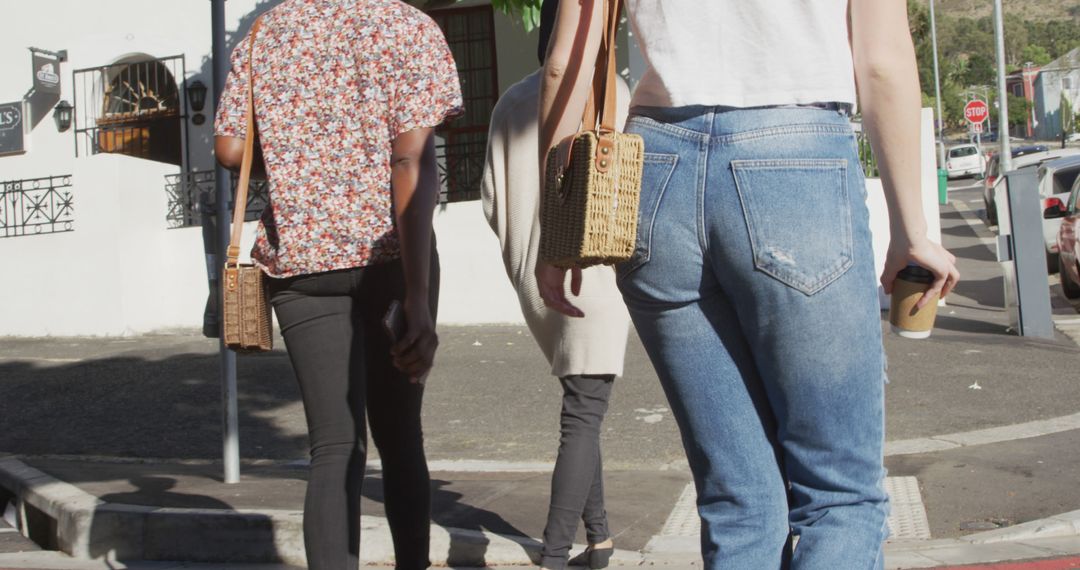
907 518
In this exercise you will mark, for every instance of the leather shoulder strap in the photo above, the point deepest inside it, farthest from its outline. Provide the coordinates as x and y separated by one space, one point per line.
600 108
240 203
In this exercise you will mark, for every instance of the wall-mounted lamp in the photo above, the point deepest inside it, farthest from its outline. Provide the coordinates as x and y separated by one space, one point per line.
196 93
62 114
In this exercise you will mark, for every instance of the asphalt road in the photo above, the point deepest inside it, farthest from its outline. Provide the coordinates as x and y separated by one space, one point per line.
491 398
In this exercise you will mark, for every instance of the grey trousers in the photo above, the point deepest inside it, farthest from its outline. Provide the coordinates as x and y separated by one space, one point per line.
577 486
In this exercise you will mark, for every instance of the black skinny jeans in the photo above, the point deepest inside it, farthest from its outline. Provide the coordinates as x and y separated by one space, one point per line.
577 484
332 327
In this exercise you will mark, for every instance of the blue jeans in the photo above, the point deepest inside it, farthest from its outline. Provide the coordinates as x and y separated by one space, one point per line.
753 290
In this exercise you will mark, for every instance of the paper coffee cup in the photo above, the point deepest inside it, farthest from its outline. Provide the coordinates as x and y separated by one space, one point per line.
908 288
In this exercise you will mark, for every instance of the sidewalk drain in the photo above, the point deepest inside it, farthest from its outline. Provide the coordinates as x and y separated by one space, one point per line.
907 519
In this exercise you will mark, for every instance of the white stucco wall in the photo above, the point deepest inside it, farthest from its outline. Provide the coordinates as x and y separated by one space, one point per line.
121 271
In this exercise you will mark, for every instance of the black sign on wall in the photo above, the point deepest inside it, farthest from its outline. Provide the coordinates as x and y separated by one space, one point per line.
46 73
46 92
11 128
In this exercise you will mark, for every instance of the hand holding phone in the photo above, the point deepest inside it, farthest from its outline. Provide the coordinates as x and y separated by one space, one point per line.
394 322
410 354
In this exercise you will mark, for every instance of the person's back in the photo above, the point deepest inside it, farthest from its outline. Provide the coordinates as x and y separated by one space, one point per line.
335 82
742 54
762 321
347 94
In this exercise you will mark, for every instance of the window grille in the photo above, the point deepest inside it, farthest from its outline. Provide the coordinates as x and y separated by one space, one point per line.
462 142
136 108
192 194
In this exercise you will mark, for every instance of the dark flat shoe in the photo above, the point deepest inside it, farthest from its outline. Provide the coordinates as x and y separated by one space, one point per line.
594 558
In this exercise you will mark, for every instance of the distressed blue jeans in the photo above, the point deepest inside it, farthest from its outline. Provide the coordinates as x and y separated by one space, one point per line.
752 288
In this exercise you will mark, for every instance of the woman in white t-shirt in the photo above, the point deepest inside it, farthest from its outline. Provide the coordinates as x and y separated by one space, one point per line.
752 285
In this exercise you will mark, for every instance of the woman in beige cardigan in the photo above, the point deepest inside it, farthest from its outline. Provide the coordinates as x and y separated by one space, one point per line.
585 353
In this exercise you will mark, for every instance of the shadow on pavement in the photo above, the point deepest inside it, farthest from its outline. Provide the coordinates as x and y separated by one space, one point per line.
988 292
146 407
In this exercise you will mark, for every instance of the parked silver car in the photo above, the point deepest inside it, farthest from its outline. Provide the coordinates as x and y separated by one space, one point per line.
994 178
1055 177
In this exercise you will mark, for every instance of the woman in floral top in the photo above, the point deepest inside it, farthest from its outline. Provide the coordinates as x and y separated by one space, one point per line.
347 93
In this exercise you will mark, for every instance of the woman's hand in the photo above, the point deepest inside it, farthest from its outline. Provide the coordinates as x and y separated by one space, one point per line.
552 283
415 353
925 254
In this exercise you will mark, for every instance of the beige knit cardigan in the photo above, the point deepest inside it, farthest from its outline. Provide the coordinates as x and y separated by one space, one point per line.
510 192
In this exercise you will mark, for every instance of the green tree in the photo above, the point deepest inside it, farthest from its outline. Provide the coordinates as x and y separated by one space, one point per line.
1068 117
1019 110
981 70
1035 54
525 11
1016 39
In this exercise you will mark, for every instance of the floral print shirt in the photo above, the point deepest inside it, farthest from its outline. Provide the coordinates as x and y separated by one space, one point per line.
335 82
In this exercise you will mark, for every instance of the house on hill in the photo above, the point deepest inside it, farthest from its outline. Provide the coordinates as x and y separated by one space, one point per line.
1057 81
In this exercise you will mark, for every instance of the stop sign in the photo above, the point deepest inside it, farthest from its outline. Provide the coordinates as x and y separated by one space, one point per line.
976 111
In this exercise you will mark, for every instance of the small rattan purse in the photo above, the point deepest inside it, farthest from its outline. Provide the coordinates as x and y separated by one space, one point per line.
589 206
247 326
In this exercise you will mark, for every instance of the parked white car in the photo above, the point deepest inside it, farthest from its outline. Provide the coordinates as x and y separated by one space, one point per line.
965 160
1030 160
1056 178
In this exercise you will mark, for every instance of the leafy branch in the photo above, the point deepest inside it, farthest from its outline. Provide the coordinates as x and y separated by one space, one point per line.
526 11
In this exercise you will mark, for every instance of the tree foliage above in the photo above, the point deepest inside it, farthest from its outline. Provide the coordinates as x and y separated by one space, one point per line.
525 11
967 54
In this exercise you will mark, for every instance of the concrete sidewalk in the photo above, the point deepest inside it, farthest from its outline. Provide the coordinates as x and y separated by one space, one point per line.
113 444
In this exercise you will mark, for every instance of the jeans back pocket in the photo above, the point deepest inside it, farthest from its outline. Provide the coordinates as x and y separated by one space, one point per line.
798 213
655 176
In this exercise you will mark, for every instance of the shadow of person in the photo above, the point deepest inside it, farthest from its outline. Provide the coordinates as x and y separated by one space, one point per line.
112 532
156 491
451 513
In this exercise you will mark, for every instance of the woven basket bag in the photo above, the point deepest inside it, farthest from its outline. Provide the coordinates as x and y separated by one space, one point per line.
246 305
589 205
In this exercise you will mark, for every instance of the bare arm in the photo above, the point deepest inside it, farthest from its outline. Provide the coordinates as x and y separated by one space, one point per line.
888 81
414 185
568 72
229 152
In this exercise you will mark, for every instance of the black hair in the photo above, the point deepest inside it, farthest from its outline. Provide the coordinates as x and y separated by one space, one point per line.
548 10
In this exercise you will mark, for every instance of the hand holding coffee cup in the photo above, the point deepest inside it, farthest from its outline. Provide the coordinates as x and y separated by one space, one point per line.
906 318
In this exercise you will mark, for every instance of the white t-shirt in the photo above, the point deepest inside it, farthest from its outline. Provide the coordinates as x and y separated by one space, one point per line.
743 53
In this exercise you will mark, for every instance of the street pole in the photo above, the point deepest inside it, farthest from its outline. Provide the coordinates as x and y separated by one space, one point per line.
937 90
223 190
1003 107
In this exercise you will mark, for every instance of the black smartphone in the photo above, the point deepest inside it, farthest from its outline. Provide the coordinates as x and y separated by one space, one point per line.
394 322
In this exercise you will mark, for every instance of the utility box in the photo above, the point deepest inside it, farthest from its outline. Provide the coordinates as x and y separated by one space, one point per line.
1022 254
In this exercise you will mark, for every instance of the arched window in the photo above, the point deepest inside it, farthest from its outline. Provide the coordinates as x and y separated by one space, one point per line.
134 107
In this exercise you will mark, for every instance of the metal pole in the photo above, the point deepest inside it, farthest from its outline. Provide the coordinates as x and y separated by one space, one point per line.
937 90
1003 106
222 187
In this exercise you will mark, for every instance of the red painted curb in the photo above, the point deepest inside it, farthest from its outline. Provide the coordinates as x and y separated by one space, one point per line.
1071 563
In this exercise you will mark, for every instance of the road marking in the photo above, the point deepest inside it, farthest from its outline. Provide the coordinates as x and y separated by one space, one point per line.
907 517
983 436
973 220
39 359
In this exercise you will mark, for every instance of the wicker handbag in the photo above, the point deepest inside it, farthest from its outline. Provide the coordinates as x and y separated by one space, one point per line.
247 324
589 206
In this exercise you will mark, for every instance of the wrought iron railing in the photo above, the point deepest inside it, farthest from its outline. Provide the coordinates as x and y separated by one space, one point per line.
137 108
36 206
192 195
